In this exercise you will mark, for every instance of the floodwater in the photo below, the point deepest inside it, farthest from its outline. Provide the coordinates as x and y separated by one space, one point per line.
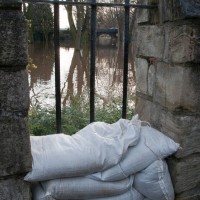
74 71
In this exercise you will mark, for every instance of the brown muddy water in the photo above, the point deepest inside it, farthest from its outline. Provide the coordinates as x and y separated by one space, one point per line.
74 68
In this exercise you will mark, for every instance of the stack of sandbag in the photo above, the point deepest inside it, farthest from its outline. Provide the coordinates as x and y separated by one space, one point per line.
121 161
85 188
94 148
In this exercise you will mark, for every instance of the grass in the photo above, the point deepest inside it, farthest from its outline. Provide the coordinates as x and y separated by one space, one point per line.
74 117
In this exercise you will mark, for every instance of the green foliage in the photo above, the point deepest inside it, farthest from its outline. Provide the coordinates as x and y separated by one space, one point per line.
40 21
42 121
111 112
74 117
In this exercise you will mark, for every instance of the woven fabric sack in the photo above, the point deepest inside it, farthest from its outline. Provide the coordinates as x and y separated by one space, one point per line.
95 148
153 145
154 182
85 188
132 194
38 192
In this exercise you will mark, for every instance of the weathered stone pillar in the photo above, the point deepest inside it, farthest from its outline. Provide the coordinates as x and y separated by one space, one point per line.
168 84
15 156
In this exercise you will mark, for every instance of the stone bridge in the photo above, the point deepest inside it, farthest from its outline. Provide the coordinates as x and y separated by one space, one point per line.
167 56
110 31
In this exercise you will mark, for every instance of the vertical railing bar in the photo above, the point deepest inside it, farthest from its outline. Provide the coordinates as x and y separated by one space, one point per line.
92 60
57 68
126 49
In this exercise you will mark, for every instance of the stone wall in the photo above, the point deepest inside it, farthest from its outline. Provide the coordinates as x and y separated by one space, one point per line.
168 83
15 156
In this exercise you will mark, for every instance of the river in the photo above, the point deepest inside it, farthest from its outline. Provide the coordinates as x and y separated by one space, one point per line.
74 71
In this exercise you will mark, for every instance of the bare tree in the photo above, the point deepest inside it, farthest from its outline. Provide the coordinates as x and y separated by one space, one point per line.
78 22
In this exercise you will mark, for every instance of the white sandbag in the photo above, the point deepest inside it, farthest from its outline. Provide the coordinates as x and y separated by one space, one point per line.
132 194
154 182
153 145
38 193
96 147
85 188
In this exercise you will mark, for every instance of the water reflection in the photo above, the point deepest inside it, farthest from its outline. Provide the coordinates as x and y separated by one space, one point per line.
75 74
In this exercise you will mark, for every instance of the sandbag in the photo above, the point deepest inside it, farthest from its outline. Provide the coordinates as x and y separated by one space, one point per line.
38 193
154 182
132 194
84 188
153 145
94 148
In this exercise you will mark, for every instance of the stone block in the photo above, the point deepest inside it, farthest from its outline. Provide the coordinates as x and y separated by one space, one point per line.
13 43
185 174
10 4
180 9
166 41
15 155
10 1
171 10
177 88
168 86
151 79
190 8
164 10
192 194
141 75
150 41
183 128
148 16
14 91
142 15
147 110
184 42
14 188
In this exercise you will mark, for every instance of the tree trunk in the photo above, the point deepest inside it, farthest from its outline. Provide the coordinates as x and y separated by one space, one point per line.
80 17
71 22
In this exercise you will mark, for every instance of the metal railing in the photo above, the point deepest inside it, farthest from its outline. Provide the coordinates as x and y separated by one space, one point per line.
93 4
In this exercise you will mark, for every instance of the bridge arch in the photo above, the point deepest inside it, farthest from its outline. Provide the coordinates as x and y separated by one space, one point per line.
113 32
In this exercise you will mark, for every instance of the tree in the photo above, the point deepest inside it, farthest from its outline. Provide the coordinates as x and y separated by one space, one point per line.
78 17
40 17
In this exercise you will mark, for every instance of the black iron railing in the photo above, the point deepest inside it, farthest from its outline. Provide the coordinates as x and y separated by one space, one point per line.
93 4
